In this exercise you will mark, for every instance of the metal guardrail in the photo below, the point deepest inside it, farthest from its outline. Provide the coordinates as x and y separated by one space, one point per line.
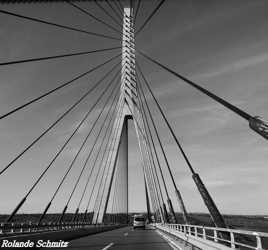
228 238
17 228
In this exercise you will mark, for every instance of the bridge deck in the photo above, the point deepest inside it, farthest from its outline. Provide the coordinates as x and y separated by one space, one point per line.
122 239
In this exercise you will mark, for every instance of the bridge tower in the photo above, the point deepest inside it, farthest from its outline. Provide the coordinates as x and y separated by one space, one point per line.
128 108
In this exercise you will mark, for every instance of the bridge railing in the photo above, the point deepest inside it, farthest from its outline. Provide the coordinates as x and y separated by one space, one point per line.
16 228
228 238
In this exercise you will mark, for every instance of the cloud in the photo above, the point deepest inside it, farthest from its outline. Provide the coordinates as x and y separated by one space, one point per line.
218 183
201 120
236 65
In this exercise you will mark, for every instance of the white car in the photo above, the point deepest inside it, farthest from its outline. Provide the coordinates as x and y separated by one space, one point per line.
139 221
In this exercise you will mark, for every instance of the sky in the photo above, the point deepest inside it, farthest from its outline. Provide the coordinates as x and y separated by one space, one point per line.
222 45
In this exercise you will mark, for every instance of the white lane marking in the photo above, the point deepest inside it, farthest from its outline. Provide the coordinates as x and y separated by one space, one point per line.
108 246
125 234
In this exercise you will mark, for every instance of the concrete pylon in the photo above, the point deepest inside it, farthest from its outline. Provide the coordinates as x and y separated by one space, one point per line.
127 108
123 111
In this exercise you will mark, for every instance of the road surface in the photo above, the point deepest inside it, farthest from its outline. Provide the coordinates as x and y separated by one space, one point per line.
122 239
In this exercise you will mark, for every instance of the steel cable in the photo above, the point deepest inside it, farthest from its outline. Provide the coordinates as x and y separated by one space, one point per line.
54 123
57 154
57 25
94 17
150 16
57 88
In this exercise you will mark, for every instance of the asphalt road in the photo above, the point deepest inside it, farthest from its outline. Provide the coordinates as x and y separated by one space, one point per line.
122 239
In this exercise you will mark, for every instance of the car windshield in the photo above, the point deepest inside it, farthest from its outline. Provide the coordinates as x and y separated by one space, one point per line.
139 219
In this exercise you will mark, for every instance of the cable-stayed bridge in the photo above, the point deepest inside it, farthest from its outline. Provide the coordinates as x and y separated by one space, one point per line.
118 96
